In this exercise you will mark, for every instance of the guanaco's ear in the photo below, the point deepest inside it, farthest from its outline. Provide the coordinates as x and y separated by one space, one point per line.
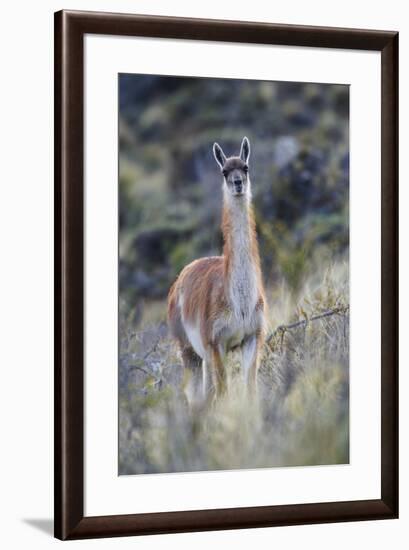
219 155
245 150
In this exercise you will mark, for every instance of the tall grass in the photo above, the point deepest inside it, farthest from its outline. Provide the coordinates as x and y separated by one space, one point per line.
301 416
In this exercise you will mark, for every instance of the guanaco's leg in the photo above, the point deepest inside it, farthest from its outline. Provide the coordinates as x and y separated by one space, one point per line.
217 370
207 379
194 376
250 361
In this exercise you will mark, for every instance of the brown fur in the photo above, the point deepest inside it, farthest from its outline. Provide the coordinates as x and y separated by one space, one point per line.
203 288
234 163
202 284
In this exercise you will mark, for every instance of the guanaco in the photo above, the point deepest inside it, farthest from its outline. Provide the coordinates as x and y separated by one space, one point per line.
217 303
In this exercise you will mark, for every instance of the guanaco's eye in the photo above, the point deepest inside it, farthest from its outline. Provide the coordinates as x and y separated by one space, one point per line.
225 172
245 169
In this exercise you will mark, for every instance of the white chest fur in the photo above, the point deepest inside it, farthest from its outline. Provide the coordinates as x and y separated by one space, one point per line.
242 284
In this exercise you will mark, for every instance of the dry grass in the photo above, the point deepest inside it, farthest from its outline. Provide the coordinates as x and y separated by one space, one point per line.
302 414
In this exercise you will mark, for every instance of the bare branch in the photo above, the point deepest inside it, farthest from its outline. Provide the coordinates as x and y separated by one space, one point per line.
151 350
137 367
281 329
142 360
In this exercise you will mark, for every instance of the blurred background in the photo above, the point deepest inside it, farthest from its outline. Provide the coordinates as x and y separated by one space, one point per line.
170 185
170 204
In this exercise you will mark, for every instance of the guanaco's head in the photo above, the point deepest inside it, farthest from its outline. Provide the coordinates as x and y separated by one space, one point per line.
235 170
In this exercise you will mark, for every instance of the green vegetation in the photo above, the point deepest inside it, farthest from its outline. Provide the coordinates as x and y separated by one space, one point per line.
301 417
170 209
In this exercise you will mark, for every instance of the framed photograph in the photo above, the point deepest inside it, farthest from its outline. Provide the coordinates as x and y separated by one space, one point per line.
225 274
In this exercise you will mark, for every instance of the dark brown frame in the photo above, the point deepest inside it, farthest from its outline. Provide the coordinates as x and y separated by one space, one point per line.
70 28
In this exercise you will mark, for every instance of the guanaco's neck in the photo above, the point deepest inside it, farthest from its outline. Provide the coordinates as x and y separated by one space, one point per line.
240 253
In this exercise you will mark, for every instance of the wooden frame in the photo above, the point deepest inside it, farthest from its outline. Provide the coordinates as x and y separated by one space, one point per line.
70 28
